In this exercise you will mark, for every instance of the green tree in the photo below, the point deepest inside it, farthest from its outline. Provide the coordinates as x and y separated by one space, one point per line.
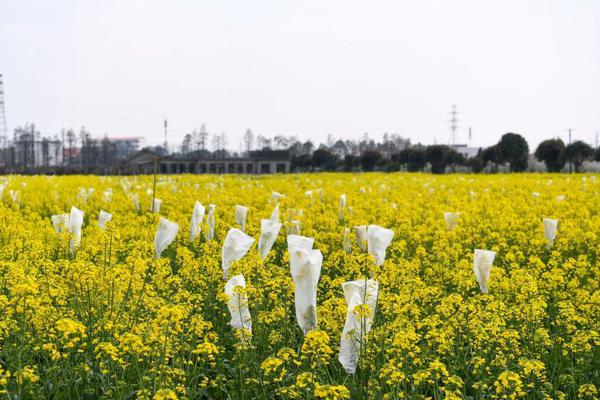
578 152
552 153
513 149
369 159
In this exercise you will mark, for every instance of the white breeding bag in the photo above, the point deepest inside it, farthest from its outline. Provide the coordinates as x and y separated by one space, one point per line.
550 227
356 329
165 234
482 266
103 218
305 266
211 221
60 222
136 202
275 196
235 246
75 222
107 195
241 213
342 206
275 214
361 237
269 230
155 208
195 223
346 242
451 219
237 303
378 239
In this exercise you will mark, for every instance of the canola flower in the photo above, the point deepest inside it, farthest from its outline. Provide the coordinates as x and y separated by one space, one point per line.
135 305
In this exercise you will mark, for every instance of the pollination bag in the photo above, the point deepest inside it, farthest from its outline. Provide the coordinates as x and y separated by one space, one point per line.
305 266
451 219
275 196
195 223
362 294
241 213
342 207
482 265
103 218
211 221
237 303
165 234
361 237
346 241
550 228
155 208
60 222
235 246
378 239
107 195
292 227
136 202
75 223
302 242
275 214
269 230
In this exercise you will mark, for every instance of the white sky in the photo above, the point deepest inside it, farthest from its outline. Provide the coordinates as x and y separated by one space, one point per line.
309 67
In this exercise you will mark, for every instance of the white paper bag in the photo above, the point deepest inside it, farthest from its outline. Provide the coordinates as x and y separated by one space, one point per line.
75 223
107 195
195 223
275 196
235 246
356 329
275 214
268 234
451 219
165 234
346 242
155 208
60 222
342 206
550 228
136 202
237 303
211 222
240 216
103 218
482 266
378 239
302 242
361 237
305 266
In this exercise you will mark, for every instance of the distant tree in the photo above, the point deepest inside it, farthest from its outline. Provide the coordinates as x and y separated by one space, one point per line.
248 140
351 162
597 154
308 147
324 159
578 152
301 162
490 155
186 143
476 164
369 159
437 156
412 157
552 153
513 149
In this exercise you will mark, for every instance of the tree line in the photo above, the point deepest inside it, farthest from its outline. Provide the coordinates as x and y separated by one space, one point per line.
510 153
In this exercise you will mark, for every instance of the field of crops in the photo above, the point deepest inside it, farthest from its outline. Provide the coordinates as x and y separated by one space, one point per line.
389 301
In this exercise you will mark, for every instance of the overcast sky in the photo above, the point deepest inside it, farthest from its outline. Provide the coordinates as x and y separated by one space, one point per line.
310 68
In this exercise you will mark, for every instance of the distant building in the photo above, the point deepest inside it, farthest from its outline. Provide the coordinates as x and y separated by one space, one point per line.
466 150
35 152
257 162
126 146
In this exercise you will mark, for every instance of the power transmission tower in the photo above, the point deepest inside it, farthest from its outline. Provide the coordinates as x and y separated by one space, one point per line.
453 124
3 125
570 163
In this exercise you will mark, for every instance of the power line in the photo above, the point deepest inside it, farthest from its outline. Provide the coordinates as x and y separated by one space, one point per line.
453 124
3 125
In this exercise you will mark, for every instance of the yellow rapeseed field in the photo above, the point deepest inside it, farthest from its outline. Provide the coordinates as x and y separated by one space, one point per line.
92 312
